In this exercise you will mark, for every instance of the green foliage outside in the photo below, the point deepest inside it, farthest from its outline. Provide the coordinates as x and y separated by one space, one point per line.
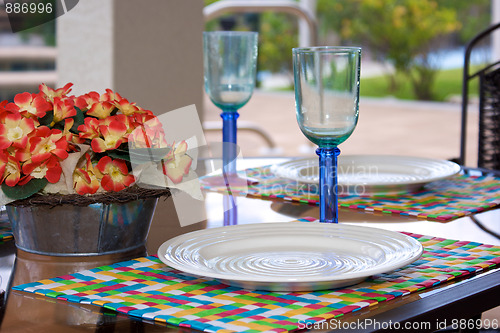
448 83
474 16
403 32
278 35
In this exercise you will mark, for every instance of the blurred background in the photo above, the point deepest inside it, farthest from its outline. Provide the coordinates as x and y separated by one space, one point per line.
413 53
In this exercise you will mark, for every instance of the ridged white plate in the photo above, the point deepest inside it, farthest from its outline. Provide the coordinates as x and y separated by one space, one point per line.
369 174
293 256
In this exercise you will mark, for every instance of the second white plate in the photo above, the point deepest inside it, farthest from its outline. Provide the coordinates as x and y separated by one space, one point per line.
295 256
371 174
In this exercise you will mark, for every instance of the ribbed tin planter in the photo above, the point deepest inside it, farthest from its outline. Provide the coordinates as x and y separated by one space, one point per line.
70 230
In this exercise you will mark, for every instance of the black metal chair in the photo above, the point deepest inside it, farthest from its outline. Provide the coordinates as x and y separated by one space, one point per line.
489 113
489 106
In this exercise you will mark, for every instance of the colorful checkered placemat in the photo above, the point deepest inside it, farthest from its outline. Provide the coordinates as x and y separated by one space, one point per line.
443 200
147 289
5 232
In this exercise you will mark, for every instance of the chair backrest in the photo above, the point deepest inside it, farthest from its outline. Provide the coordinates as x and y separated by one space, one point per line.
489 106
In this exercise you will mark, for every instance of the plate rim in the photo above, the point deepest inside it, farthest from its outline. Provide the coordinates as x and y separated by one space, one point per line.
363 274
455 168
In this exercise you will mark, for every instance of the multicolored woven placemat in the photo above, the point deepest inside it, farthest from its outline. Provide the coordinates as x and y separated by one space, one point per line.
443 200
5 232
147 289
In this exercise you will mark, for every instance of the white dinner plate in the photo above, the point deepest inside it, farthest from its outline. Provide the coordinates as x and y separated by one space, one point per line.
295 256
372 174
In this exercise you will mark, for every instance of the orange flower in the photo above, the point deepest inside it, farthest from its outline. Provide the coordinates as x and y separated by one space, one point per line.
147 117
63 108
30 148
101 110
121 118
68 135
10 169
145 137
147 131
111 96
89 129
50 94
30 105
15 131
85 179
126 107
177 163
141 138
86 101
115 174
49 169
46 143
21 154
114 135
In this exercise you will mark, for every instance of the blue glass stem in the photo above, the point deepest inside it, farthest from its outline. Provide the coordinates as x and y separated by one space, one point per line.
328 201
230 210
229 151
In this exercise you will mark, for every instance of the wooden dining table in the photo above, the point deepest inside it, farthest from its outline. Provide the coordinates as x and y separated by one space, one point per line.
459 302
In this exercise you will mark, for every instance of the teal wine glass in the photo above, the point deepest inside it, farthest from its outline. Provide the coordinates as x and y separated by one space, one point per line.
230 61
326 101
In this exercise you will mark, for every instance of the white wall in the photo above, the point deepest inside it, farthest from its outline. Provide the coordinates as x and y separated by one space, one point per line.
148 51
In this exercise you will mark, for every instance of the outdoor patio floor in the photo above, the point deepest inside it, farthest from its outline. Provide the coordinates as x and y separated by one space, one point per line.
385 126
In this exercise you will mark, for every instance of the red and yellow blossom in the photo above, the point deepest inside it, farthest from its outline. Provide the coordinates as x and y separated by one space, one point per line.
146 137
121 118
111 96
101 110
46 143
86 101
49 169
145 118
10 169
86 179
89 129
113 134
63 108
126 107
30 105
115 174
177 163
14 131
69 140
148 131
68 124
49 94
141 138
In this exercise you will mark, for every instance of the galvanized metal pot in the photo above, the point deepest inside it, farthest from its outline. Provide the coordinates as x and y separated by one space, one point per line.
68 230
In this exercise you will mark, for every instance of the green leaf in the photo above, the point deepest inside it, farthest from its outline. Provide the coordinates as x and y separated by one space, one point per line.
59 125
79 119
120 154
22 192
47 119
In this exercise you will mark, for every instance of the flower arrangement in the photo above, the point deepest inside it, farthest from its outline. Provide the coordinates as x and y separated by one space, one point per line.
52 142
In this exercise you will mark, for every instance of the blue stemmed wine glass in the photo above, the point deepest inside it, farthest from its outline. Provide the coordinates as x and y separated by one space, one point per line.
230 61
326 102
